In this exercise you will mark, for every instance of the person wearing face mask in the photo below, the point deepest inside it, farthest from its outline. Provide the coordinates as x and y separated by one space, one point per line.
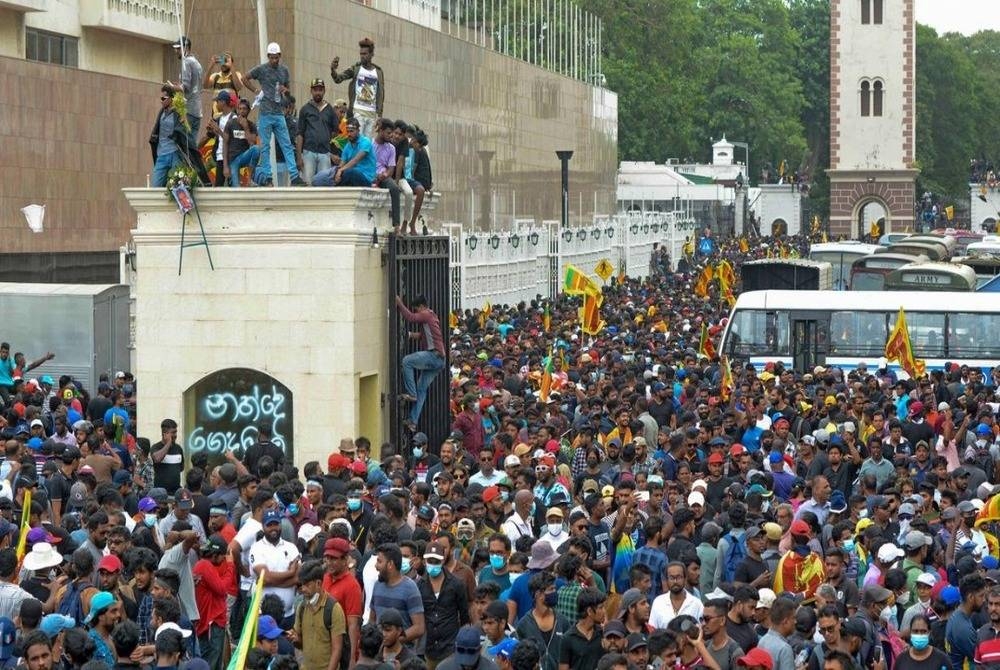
359 514
875 612
800 570
423 460
555 533
921 655
445 604
497 571
413 566
543 625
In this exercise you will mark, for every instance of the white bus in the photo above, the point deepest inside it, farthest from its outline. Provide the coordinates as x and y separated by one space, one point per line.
841 255
803 329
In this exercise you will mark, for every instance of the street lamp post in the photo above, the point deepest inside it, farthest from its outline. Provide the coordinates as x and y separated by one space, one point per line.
564 157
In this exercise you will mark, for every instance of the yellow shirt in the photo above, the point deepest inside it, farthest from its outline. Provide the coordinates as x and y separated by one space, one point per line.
311 629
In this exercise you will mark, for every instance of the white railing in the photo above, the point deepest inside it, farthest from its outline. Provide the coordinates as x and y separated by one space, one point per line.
423 12
529 260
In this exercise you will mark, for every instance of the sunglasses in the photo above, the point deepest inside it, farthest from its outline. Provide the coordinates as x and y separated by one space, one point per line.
828 630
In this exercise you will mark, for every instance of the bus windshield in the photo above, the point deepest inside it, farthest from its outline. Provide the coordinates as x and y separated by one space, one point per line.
868 280
841 262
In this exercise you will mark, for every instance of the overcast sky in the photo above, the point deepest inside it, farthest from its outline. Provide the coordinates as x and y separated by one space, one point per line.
963 16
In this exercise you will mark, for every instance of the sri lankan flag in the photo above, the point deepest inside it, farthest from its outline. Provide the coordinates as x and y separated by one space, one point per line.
485 314
453 319
703 282
726 276
547 370
727 378
590 315
899 348
546 318
577 283
22 540
744 245
248 638
799 574
705 347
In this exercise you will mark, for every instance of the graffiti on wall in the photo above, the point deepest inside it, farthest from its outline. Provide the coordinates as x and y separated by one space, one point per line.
224 409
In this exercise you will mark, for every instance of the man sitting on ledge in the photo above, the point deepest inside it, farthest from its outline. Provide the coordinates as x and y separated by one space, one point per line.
357 162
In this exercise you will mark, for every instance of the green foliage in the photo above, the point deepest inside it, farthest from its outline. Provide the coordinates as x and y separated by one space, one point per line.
687 71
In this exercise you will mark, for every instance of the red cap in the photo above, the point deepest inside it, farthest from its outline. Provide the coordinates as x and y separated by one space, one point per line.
491 493
359 468
716 458
737 450
781 421
337 461
547 459
552 446
799 527
110 563
336 547
756 658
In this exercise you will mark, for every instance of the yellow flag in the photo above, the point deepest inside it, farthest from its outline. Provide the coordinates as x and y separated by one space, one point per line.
949 212
744 245
248 638
22 541
453 319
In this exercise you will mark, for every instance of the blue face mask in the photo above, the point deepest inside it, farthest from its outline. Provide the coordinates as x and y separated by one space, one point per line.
920 641
434 570
504 496
149 519
497 562
293 509
354 504
532 509
406 566
418 453
848 545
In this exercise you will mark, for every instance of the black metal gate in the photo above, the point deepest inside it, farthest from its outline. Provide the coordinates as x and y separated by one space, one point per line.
418 265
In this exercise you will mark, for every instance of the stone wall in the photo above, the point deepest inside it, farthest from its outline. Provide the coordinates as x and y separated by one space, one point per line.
850 191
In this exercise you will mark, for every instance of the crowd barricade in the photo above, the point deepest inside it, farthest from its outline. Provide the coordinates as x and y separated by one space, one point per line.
529 259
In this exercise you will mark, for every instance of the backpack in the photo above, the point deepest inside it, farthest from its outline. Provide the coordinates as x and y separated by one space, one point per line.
345 653
736 551
71 603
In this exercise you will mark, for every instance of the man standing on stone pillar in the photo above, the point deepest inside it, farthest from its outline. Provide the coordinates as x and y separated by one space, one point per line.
429 359
366 92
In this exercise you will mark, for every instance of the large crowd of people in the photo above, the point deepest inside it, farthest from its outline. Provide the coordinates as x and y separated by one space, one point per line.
346 143
603 501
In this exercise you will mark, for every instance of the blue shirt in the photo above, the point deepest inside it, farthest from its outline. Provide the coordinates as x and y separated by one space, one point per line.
404 596
518 592
962 638
366 165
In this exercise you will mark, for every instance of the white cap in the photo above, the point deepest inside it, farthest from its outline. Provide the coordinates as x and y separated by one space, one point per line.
927 579
696 498
512 461
765 598
170 625
308 531
699 484
888 553
273 48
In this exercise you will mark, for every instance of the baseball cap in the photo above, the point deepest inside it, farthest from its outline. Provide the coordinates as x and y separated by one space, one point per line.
765 598
267 627
491 493
391 616
773 531
186 41
467 646
272 49
101 601
316 83
915 539
38 422
170 625
522 449
950 596
754 658
889 552
272 516
53 624
927 579
418 438
110 563
716 459
215 545
512 461
615 627
504 648
799 527
855 627
466 524
336 547
635 641
308 531
147 504
873 593
436 550
183 499
696 498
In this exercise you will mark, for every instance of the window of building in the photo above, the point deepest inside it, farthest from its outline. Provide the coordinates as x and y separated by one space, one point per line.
877 99
866 98
866 11
877 11
51 48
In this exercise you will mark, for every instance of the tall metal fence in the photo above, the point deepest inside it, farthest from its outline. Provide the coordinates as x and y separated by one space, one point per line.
529 260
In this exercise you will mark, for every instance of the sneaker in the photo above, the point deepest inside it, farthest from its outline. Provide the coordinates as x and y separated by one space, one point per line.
299 181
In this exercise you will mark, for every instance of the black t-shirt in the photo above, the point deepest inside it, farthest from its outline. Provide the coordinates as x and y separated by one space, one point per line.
237 137
167 473
742 633
662 412
678 547
58 487
97 407
749 569
938 660
579 652
261 449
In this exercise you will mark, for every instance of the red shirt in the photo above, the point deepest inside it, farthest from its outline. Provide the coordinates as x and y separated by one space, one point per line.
346 591
228 533
212 584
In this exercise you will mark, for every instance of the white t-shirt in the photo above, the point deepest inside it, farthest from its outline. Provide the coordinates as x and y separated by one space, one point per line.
223 120
277 557
246 537
369 575
365 90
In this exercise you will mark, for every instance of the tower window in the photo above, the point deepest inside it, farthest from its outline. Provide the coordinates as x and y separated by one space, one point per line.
871 11
877 98
866 98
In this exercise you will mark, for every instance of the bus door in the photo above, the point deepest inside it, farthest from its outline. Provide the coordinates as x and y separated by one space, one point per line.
810 340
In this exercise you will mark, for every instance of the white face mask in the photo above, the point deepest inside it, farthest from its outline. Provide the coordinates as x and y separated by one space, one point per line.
903 598
314 599
887 613
555 528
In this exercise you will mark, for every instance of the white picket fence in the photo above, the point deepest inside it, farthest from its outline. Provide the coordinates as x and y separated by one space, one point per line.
530 260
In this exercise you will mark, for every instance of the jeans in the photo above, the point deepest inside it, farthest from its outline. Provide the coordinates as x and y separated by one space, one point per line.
351 177
282 178
429 363
394 192
212 644
367 121
314 163
247 158
275 123
163 165
195 123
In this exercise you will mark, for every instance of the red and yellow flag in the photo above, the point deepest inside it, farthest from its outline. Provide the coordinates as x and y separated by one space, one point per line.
546 319
577 283
727 378
799 574
703 282
727 276
899 348
484 315
546 385
453 319
590 315
744 245
705 347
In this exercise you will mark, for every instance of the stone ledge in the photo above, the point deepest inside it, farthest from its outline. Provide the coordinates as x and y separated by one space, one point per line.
265 199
